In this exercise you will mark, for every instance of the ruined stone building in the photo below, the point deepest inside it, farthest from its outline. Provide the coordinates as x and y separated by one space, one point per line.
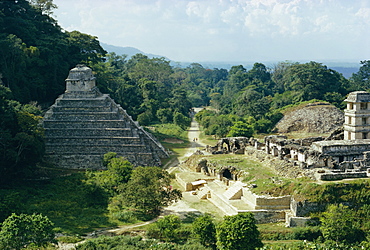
83 124
332 157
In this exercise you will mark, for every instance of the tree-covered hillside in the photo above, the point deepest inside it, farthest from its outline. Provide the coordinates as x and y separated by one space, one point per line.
36 54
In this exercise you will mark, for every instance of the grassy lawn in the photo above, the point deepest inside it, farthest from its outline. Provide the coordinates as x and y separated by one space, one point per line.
207 139
177 149
283 244
253 169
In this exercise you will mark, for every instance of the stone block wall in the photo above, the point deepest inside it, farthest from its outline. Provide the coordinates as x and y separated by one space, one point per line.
268 216
303 208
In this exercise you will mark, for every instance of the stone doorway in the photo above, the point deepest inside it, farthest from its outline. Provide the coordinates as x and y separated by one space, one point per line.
227 174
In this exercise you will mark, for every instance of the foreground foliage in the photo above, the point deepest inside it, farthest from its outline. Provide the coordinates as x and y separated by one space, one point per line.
135 243
21 137
339 225
22 230
168 229
238 232
149 189
204 230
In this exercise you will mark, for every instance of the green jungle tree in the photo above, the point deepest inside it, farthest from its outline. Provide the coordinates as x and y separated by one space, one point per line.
240 129
361 79
118 172
205 231
181 120
165 229
149 189
339 225
238 232
22 230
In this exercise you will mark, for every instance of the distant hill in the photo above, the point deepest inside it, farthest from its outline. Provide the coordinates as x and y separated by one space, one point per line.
345 68
346 71
129 51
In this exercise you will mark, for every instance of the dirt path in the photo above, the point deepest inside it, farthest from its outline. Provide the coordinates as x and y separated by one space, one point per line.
193 135
195 144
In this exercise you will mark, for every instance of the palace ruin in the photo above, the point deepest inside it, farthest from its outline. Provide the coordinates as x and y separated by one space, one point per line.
344 154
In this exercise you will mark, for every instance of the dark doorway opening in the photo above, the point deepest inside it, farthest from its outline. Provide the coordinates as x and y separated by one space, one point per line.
227 174
341 159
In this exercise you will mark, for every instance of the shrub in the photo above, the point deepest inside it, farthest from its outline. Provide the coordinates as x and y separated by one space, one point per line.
22 230
205 231
181 120
69 239
145 118
238 232
165 229
306 233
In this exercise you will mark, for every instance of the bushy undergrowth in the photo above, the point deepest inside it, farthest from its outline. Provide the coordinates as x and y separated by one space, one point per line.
357 192
135 243
69 239
299 233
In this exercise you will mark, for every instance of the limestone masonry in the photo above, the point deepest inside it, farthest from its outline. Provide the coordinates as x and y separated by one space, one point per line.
83 124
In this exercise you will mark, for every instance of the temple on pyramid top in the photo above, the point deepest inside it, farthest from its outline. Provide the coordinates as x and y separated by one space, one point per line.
83 124
80 78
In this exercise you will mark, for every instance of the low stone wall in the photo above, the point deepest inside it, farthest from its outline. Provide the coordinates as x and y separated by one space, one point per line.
185 185
185 180
223 204
273 203
267 216
341 176
297 221
303 208
249 198
264 202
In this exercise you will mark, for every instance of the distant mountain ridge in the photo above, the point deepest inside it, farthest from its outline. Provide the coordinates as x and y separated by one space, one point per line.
129 51
345 68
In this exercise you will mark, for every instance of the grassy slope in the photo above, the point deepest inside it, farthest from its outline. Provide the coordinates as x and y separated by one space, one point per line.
73 206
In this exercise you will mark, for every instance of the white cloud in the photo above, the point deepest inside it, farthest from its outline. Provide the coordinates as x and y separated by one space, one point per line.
225 29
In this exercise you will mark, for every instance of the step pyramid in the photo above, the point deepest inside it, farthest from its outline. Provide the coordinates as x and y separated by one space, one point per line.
83 124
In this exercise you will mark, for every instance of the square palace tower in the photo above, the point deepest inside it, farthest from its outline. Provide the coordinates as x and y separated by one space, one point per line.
357 116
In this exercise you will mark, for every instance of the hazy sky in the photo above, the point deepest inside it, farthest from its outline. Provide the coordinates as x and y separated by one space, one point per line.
227 30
